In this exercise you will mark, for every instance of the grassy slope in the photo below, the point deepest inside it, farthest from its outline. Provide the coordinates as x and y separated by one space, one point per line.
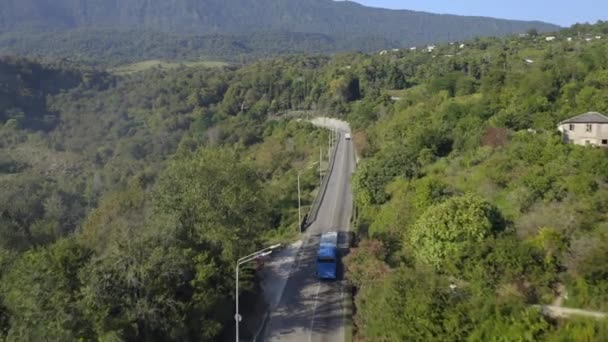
165 65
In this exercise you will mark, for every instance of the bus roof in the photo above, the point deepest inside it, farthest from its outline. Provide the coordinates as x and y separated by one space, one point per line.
325 252
329 239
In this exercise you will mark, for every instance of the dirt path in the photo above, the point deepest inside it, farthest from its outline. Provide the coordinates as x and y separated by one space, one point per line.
560 312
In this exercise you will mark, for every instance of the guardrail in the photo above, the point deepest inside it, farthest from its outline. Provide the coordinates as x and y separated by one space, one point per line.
316 204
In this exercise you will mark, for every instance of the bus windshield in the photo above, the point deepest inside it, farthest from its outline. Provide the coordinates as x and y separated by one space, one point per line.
326 260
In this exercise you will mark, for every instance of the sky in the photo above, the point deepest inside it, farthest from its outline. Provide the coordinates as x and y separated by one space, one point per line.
560 12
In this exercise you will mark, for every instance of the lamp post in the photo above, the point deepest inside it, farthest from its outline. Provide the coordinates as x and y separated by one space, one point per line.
299 196
259 254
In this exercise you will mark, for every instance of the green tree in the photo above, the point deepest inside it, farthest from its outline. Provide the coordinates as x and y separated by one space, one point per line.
579 330
412 305
6 259
510 322
447 229
149 289
365 264
119 217
42 294
216 198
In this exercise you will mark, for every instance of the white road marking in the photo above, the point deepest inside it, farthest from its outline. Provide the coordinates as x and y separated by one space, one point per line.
314 312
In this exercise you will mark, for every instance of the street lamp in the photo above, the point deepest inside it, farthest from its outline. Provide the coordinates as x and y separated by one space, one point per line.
299 196
259 254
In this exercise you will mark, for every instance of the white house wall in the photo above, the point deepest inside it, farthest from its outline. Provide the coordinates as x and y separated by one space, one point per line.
580 136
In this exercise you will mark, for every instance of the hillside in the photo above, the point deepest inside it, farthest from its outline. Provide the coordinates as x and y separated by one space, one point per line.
341 21
86 157
470 209
113 47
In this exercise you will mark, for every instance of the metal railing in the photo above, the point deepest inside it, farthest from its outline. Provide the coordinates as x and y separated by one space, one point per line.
316 204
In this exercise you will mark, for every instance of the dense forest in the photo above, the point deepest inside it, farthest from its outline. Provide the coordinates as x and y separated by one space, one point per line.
111 47
473 208
125 200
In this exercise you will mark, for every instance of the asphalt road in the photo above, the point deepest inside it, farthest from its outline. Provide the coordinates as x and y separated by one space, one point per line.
309 309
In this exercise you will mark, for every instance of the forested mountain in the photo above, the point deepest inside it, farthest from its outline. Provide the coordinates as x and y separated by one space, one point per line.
470 209
114 47
346 22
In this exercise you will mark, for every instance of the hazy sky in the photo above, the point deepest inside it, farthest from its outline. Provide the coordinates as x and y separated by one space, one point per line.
559 12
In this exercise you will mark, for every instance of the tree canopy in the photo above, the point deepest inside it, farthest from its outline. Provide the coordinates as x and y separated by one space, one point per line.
448 230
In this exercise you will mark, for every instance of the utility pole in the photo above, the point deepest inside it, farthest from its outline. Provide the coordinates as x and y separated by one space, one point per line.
299 206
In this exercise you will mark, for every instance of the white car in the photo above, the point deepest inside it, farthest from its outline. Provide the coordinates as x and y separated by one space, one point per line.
347 136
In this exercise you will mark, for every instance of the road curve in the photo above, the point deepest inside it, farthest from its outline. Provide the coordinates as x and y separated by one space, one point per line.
310 310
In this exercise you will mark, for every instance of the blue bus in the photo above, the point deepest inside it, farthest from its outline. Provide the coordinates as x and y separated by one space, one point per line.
327 257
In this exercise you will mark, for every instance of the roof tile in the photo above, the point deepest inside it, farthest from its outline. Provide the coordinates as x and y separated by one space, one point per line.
590 117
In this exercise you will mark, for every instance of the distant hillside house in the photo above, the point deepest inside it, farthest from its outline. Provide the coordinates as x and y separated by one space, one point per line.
586 129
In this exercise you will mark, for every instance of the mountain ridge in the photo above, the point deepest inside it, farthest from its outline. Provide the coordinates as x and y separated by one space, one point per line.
338 19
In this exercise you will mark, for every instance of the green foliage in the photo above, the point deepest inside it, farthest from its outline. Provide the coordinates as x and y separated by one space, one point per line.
455 83
151 289
119 217
511 324
580 330
216 198
386 313
6 259
481 122
417 305
25 87
375 174
157 188
41 293
588 284
448 229
507 266
365 264
409 199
